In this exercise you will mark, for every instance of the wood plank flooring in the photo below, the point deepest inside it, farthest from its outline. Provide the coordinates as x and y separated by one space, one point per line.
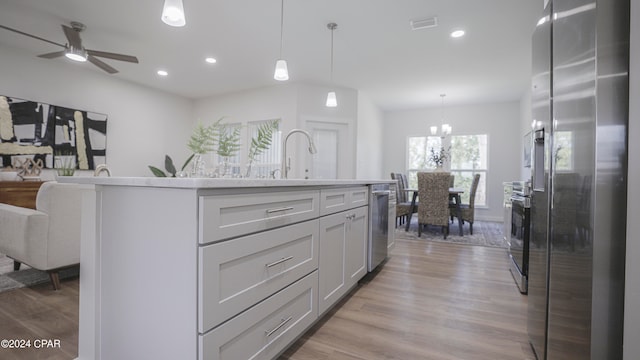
39 313
431 300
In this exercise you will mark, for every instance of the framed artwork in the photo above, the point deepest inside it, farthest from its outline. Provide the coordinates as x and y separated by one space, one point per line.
41 132
527 149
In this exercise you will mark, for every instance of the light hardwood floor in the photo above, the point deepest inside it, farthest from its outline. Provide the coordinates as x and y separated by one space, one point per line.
431 300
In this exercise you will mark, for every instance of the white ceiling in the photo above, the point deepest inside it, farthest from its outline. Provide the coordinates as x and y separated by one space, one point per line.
375 50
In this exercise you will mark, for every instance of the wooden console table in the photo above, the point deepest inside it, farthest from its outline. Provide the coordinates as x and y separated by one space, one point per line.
19 193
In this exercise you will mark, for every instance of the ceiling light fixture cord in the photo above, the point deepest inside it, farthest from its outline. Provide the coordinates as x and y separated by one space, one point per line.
332 26
281 25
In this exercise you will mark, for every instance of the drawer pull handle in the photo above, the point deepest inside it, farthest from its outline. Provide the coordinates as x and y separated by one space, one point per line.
271 211
282 323
279 261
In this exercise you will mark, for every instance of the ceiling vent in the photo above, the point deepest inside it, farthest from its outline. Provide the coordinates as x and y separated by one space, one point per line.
424 23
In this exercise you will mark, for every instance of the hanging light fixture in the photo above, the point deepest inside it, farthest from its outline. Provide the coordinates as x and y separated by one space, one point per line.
173 13
281 73
445 129
332 101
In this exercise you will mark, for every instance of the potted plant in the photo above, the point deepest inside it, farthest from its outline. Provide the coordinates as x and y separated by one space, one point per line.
228 145
261 142
65 163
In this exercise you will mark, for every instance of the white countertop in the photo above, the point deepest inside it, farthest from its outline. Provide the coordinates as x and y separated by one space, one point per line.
191 183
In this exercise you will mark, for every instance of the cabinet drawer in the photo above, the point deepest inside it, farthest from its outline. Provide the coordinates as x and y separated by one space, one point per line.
238 273
226 216
336 200
267 328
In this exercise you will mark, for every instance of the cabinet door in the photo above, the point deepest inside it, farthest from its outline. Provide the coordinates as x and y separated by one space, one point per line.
343 251
356 245
333 237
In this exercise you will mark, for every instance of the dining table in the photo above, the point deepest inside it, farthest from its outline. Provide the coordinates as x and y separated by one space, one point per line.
454 193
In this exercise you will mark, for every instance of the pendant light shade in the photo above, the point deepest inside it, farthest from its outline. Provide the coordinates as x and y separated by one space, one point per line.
332 101
173 13
282 72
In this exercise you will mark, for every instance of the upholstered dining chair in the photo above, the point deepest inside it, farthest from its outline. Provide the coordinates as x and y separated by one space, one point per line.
433 190
47 238
467 211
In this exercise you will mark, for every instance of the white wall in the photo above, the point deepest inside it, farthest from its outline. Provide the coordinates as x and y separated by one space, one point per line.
142 125
370 139
500 121
632 285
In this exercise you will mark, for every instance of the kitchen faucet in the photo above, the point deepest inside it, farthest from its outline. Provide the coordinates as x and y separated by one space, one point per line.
312 150
100 168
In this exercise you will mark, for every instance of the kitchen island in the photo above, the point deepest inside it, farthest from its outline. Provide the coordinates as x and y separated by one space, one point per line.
214 268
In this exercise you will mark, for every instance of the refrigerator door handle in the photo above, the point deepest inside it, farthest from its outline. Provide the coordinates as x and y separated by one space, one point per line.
538 161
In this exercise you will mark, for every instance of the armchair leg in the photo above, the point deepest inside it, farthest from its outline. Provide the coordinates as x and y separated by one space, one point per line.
55 279
470 228
16 265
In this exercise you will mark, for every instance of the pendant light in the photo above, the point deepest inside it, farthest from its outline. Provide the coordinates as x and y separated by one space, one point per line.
173 13
281 73
332 101
445 129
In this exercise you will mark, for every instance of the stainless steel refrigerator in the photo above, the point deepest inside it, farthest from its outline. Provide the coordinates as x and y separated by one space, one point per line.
579 166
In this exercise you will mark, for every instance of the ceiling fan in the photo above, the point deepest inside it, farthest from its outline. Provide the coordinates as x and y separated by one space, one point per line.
75 51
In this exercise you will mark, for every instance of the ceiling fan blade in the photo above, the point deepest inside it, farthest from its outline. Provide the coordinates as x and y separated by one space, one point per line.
102 65
72 36
31 36
53 54
113 56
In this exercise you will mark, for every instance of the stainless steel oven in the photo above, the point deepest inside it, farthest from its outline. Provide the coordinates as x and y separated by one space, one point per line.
519 234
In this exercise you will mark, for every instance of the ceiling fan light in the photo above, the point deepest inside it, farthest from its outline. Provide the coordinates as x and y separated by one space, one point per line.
173 13
76 54
281 73
332 101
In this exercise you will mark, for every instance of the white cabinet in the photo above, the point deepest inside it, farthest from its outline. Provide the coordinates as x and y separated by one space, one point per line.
236 274
343 249
251 268
267 328
228 215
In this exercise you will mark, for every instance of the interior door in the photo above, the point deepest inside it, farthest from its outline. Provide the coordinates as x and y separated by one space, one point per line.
333 159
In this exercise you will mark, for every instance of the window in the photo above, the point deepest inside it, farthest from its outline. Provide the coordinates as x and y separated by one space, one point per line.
468 156
269 160
418 150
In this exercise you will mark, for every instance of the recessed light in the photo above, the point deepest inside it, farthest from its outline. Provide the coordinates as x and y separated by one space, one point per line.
162 73
457 33
211 60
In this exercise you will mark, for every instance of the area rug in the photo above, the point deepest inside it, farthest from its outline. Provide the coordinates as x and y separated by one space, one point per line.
27 276
485 233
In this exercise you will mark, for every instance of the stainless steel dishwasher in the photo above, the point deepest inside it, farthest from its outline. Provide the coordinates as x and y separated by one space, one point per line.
379 231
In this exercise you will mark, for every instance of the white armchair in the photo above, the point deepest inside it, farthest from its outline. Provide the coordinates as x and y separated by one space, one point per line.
47 238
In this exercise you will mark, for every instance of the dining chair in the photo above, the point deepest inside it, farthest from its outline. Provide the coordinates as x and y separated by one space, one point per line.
403 207
467 211
433 190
